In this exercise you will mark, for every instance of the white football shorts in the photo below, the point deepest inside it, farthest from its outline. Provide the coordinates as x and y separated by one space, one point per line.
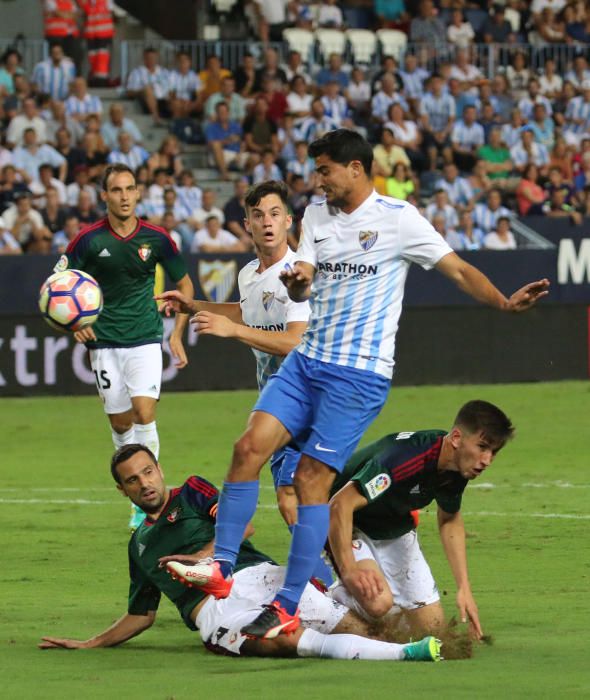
404 566
122 373
220 621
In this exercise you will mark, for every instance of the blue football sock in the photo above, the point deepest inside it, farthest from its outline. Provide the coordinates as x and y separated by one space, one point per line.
322 571
309 537
237 505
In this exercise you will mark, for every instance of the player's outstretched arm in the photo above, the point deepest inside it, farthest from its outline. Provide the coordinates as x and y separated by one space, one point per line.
84 335
473 282
174 301
298 280
452 534
125 628
185 287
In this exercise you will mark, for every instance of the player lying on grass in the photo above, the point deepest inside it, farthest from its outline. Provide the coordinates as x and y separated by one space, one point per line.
372 536
181 521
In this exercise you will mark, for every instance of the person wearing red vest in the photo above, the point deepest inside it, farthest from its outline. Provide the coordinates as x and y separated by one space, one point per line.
61 26
99 29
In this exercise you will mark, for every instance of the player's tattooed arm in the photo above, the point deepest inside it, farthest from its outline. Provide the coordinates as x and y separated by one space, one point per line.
125 628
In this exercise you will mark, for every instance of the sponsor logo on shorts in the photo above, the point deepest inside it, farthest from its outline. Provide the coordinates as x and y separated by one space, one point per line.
144 251
367 239
378 485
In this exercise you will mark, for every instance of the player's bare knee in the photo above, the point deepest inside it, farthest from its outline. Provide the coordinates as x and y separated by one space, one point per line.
378 607
121 424
312 481
247 459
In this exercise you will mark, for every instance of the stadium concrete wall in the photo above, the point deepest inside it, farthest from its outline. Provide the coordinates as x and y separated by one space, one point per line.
443 338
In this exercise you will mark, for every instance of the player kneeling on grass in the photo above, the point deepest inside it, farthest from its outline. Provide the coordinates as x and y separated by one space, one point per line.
181 522
372 536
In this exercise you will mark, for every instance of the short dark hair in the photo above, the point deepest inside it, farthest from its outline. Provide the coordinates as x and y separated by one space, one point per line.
126 452
343 146
482 416
115 168
256 192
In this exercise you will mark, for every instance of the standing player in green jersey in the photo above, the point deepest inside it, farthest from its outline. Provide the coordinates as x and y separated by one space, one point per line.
121 252
181 521
372 535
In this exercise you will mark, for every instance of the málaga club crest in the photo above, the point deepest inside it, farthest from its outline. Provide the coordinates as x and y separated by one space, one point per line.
367 239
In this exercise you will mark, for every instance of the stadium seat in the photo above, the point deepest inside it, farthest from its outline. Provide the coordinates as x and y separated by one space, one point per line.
363 43
223 5
393 42
330 41
300 40
513 17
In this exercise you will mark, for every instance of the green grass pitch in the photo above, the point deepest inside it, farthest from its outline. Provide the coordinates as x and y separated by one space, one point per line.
64 569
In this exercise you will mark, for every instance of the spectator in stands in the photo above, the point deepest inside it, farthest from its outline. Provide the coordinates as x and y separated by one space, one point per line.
260 132
503 100
460 32
391 14
427 28
26 225
532 98
117 122
54 75
485 216
358 94
497 161
8 243
234 212
336 107
543 126
556 182
227 94
582 179
266 169
550 82
548 29
214 239
467 236
44 182
561 157
62 238
333 71
413 77
189 194
272 17
155 193
10 66
388 65
273 93
10 186
211 77
52 211
528 151
497 29
330 16
30 156
458 189
28 119
317 124
184 88
299 100
245 75
171 204
81 104
13 104
511 132
386 155
440 207
61 18
169 224
518 75
468 74
208 208
301 165
287 135
557 207
502 238
529 194
224 140
95 155
295 67
467 137
383 99
84 209
579 72
58 119
167 157
577 116
437 118
74 156
81 183
129 153
406 135
149 84
401 185
270 69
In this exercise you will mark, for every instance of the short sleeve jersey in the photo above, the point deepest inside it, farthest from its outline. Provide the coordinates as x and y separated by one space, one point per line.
185 526
125 269
265 304
361 261
396 475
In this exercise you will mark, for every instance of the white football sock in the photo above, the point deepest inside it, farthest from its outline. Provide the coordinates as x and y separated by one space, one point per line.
148 435
347 646
126 438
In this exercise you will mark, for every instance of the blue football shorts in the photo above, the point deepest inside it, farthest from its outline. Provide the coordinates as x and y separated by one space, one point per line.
325 407
283 464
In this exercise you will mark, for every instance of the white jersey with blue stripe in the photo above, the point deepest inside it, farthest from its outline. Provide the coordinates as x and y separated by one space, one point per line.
265 304
361 261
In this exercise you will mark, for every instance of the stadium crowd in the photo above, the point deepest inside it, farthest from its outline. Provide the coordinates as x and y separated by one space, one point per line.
472 150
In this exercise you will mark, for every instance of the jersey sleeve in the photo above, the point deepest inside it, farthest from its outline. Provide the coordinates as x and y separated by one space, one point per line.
171 259
297 311
306 251
449 497
76 254
201 495
420 242
144 597
372 480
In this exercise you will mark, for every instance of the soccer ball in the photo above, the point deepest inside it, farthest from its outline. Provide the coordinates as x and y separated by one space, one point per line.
70 300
